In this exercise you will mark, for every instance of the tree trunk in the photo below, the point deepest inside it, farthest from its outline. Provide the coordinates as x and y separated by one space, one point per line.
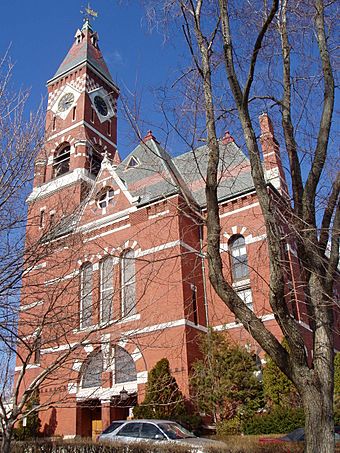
6 441
319 427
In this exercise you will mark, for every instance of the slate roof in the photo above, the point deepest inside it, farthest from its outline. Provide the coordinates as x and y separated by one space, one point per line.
83 52
158 175
234 170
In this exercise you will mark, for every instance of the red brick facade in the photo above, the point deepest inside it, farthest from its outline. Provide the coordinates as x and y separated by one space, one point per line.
136 215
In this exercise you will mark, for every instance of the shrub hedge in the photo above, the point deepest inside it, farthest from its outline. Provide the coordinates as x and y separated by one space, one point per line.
82 447
280 420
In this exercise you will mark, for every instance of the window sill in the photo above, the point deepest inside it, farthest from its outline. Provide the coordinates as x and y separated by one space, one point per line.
130 318
241 283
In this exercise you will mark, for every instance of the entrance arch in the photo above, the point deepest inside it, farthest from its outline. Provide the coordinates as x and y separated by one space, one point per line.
104 379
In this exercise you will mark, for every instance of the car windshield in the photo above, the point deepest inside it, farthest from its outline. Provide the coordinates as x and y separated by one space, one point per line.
112 427
175 431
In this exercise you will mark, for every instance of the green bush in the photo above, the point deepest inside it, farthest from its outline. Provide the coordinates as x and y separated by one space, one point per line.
191 422
280 420
163 399
229 427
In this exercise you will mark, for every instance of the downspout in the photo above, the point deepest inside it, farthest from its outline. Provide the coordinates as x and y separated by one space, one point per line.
200 228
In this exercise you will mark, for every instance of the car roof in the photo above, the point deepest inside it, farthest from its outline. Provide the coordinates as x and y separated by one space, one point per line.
151 420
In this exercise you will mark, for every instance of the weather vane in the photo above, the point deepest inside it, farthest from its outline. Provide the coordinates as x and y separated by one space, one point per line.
89 13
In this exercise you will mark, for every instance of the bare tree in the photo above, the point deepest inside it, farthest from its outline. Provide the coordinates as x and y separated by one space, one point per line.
275 55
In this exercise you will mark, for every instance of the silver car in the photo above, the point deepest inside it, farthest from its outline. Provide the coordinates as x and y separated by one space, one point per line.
157 431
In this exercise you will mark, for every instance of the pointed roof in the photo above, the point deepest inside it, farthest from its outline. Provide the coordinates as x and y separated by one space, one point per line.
84 50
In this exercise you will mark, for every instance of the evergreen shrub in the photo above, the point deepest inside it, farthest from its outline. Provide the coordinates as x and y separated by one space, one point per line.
279 421
229 427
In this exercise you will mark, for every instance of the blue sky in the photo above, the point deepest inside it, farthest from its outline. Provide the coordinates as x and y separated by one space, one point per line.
40 34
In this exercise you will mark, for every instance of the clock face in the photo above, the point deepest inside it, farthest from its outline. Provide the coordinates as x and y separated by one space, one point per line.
101 105
65 102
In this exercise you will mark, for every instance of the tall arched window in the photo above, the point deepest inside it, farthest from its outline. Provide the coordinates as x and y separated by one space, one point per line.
125 369
61 160
238 258
95 160
106 289
128 282
86 295
92 374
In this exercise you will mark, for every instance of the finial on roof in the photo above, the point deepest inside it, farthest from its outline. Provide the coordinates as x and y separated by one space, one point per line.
106 157
88 13
149 136
227 138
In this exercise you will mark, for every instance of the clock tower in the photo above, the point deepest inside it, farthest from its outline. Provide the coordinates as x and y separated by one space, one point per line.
81 127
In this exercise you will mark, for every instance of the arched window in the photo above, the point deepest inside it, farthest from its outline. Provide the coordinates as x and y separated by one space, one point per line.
61 161
106 289
92 374
95 160
86 295
125 370
128 282
238 258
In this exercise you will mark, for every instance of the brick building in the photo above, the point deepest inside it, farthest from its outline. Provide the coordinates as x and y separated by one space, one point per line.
117 275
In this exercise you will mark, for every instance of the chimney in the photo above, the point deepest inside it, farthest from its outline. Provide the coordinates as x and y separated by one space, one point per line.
227 138
149 136
271 154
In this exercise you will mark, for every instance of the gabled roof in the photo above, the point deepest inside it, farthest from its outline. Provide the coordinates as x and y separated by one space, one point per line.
158 175
152 178
84 50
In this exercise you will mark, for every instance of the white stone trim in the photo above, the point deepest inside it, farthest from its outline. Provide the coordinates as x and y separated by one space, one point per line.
104 221
162 326
32 305
60 279
129 319
165 246
244 208
63 347
29 366
77 365
57 183
234 325
304 325
81 123
93 129
35 268
250 239
142 377
159 214
106 393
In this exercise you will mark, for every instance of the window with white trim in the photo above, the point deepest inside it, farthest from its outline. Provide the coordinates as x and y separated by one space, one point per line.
95 161
61 160
106 289
128 283
122 366
92 373
246 296
105 198
238 258
86 296
125 369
